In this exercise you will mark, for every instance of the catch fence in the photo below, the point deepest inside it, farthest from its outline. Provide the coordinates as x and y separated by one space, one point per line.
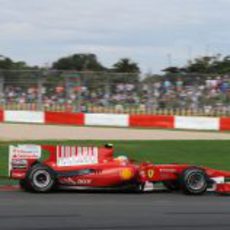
106 92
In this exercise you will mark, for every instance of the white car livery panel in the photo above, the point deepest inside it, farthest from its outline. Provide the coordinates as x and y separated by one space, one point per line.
23 152
71 155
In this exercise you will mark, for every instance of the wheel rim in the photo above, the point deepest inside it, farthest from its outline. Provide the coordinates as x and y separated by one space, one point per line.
41 179
196 181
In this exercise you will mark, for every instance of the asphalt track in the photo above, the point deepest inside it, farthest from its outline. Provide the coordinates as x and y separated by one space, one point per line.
105 211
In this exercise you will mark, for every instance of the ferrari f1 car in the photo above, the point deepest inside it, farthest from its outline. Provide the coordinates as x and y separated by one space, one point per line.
96 167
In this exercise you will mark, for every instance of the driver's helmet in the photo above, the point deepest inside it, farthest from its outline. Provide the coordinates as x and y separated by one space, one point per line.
122 158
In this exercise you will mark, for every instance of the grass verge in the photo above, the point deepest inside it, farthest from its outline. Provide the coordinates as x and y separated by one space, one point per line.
214 154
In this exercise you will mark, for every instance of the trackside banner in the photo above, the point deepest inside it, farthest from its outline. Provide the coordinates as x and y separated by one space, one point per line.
24 152
72 155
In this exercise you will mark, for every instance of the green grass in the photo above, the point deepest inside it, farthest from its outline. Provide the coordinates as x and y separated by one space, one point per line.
214 154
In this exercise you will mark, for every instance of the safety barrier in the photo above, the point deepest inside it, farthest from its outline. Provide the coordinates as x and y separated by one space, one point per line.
24 116
103 119
119 109
117 120
198 123
151 121
1 116
64 118
225 123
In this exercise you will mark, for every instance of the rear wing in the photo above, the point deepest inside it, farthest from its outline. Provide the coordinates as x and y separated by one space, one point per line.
23 152
60 155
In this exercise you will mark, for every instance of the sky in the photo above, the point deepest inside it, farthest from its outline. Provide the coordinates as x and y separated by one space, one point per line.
153 33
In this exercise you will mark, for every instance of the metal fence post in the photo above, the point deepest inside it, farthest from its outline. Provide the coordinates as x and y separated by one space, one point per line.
40 93
107 90
1 89
78 106
67 88
150 98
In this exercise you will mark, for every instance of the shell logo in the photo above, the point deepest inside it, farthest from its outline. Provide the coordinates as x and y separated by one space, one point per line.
126 174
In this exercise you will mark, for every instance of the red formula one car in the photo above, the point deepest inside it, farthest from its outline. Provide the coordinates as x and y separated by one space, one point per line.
96 167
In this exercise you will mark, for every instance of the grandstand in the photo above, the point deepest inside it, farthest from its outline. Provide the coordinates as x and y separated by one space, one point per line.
105 92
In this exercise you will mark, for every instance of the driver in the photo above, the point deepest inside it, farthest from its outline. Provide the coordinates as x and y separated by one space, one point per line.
122 159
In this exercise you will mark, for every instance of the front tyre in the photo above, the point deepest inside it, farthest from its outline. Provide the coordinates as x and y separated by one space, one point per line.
41 179
194 181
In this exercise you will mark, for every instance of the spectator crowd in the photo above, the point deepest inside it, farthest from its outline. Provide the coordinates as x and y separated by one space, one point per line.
197 92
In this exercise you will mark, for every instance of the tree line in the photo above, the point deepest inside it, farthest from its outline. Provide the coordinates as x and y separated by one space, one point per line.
77 62
216 64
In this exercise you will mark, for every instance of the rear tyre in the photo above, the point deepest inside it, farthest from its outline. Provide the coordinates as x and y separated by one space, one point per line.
194 181
40 179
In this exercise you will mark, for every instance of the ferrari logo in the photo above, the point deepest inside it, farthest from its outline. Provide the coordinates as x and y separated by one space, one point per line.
150 173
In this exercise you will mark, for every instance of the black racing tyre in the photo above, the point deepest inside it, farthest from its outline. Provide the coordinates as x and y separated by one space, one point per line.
194 181
172 185
41 179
